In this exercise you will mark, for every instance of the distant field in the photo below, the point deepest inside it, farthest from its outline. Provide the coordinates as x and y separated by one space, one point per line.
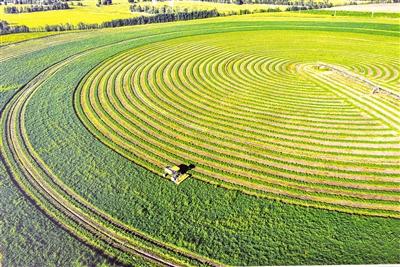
387 8
90 13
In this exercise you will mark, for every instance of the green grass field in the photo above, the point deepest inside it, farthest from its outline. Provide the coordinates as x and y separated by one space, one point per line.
294 164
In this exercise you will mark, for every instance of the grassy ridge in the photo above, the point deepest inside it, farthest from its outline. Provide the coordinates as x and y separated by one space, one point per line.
207 217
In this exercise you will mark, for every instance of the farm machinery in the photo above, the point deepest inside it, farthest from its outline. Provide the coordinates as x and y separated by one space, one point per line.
176 173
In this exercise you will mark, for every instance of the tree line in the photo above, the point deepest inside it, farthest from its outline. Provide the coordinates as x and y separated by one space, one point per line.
32 2
270 2
168 10
140 20
152 9
167 16
35 8
104 2
5 28
308 5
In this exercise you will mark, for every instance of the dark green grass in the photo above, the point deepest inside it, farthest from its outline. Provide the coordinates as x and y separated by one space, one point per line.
29 238
235 228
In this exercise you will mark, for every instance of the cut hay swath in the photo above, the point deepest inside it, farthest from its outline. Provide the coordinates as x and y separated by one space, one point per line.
252 120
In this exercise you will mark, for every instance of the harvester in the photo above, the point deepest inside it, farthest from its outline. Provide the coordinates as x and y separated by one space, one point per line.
175 173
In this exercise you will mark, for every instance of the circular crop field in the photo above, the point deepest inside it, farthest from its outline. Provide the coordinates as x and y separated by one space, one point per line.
292 128
254 110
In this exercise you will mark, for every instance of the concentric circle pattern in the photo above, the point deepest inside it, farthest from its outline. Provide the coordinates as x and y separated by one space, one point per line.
254 112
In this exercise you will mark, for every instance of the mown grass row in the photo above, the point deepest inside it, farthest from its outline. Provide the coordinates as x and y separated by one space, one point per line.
162 104
241 118
381 108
